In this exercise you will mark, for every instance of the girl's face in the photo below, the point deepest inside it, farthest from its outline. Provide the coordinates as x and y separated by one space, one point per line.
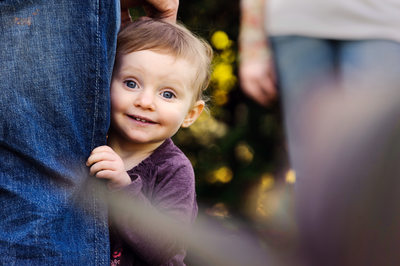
151 97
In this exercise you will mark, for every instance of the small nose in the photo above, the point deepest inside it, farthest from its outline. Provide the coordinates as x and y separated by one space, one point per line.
145 100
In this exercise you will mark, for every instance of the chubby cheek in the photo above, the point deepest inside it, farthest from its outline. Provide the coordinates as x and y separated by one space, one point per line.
118 100
174 118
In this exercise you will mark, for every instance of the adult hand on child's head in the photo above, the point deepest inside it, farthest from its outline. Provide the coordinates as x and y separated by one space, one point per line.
163 9
105 163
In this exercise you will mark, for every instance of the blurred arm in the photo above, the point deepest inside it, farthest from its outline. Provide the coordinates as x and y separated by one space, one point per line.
255 68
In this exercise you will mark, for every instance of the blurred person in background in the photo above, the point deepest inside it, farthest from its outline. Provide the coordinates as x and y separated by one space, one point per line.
56 61
303 47
348 204
322 57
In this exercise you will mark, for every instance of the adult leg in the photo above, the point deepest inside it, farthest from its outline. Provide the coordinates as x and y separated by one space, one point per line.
55 68
369 65
305 67
346 205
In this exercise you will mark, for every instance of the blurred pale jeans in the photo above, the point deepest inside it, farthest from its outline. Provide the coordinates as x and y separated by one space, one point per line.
56 59
307 66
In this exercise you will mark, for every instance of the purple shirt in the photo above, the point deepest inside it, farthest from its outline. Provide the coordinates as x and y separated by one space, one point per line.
165 181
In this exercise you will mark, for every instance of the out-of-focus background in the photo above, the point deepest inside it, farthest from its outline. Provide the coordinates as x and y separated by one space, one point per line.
237 148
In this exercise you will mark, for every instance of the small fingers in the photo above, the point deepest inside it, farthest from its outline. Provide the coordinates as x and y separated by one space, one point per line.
104 174
101 166
98 157
103 148
101 153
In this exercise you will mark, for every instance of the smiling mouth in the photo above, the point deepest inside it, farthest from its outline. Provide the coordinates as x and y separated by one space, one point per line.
141 119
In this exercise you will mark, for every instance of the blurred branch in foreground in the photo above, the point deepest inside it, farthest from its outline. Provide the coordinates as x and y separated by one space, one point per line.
348 204
208 242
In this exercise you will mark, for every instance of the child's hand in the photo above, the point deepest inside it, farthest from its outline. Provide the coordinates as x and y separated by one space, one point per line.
105 163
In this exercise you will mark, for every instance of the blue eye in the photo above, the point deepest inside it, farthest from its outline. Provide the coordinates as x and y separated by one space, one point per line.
168 94
131 84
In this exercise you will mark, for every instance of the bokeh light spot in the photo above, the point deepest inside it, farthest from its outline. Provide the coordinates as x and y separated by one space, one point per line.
244 152
290 177
220 40
222 175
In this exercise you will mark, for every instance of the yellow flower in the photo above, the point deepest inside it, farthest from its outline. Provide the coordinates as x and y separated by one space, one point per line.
222 72
223 175
220 40
223 77
228 56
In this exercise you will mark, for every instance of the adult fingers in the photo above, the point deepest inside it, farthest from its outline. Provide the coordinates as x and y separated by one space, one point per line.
163 9
262 90
252 90
268 89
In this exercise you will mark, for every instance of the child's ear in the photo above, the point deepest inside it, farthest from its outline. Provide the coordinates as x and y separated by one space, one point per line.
193 113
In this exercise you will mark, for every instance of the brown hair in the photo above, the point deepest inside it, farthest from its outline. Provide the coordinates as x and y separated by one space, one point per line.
175 39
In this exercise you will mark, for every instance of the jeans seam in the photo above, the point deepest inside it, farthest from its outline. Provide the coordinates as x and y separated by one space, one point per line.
96 113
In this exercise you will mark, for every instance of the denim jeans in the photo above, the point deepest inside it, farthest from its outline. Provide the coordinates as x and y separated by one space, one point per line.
308 66
56 60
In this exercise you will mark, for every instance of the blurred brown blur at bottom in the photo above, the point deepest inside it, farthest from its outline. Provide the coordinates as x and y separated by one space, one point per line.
348 201
344 210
